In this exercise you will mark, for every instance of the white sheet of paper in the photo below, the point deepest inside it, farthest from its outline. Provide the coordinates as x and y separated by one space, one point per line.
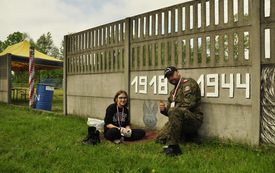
172 104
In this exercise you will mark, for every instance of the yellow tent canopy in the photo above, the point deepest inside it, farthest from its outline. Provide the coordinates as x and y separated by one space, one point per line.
20 58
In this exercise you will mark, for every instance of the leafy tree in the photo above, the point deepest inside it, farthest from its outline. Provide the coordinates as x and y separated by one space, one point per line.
45 45
1 46
61 51
13 38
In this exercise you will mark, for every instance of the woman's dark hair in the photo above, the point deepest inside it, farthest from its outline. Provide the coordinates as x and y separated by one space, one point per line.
118 93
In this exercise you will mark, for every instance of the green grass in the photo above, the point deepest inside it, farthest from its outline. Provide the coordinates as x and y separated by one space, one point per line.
38 141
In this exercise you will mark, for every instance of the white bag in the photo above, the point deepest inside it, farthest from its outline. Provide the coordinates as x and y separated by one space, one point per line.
98 124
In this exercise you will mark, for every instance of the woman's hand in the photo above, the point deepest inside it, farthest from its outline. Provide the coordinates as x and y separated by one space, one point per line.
123 130
126 132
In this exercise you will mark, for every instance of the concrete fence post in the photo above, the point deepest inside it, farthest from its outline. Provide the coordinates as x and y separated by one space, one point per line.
9 77
65 75
256 72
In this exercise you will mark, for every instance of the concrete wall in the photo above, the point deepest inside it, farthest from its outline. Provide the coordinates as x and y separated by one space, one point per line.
218 100
89 95
223 54
5 78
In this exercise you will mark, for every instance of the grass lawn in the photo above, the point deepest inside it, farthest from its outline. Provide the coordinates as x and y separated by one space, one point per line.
36 141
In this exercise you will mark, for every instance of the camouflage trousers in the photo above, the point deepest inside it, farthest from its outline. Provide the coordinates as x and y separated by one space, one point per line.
180 121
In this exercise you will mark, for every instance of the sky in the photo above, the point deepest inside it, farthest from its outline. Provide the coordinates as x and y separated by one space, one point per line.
62 17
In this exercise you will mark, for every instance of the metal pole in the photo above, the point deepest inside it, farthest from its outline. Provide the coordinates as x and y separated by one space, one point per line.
31 77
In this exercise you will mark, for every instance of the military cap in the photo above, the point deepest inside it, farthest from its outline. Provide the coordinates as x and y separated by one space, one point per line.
169 71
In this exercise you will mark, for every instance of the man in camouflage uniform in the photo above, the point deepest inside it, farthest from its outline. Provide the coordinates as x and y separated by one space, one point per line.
183 110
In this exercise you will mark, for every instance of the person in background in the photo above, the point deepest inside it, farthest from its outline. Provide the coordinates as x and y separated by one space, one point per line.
117 125
183 110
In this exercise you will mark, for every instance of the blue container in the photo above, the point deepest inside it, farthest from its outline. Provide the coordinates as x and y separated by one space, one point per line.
44 97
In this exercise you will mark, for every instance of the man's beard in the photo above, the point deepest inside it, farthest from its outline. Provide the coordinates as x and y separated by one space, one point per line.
174 81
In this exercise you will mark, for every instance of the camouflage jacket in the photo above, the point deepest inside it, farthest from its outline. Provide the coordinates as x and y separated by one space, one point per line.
188 96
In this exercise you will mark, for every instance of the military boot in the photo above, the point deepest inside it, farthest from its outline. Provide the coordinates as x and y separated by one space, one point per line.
95 139
172 150
92 137
193 137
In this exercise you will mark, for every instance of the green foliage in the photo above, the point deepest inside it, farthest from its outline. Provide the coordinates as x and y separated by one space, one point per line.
55 73
13 38
156 54
61 51
162 53
22 77
45 43
1 46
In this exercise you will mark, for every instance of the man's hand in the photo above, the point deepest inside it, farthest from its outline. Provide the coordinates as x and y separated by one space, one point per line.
161 105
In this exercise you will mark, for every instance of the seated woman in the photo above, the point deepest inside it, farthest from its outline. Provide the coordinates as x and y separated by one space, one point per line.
117 124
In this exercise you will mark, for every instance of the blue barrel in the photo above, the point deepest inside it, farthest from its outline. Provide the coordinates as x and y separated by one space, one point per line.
44 97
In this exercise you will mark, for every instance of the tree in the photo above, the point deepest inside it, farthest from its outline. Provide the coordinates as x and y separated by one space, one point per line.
45 45
13 38
62 51
1 46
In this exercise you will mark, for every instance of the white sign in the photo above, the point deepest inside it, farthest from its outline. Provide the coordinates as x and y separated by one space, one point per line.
49 88
160 84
